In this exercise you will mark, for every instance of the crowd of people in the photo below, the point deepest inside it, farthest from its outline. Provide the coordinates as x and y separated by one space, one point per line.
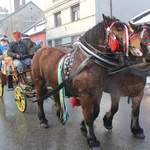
20 49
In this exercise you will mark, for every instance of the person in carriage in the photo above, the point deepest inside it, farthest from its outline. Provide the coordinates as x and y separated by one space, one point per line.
4 46
19 52
26 39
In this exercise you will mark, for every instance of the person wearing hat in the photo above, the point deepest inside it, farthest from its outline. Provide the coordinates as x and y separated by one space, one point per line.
4 46
26 39
19 51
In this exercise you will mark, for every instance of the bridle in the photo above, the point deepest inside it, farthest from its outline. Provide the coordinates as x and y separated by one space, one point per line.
122 43
136 51
144 31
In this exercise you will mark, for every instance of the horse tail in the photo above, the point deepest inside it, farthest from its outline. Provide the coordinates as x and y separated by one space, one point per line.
52 92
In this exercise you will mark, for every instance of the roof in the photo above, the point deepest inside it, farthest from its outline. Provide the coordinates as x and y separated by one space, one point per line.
141 18
36 28
20 9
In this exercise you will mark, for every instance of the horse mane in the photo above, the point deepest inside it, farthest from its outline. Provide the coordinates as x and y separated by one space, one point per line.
93 35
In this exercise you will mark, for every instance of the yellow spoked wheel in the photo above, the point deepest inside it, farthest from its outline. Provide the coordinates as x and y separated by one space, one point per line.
20 99
1 89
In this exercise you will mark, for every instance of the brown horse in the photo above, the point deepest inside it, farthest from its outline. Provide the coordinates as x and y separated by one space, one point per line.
129 83
85 71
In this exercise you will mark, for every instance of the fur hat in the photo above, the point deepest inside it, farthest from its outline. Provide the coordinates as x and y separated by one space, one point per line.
4 37
16 34
39 42
25 36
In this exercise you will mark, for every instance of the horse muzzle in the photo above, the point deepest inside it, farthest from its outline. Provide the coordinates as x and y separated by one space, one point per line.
135 51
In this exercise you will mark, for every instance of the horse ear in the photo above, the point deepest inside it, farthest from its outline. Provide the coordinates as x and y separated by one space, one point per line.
132 26
107 21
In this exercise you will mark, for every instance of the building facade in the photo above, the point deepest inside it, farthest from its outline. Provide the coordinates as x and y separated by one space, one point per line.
18 4
3 12
67 19
37 31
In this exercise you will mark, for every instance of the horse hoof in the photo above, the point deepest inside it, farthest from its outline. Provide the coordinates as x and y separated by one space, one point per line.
93 143
138 133
140 136
108 127
84 131
96 148
44 125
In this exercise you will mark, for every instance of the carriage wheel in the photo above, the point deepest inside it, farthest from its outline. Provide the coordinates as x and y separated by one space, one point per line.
1 89
20 99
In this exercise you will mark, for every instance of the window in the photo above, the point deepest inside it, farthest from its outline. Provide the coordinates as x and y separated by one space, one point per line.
75 13
58 42
49 43
58 19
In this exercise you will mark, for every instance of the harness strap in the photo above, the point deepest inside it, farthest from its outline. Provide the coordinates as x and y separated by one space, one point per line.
130 67
77 71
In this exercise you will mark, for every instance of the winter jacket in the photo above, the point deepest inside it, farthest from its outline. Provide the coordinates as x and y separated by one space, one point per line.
19 48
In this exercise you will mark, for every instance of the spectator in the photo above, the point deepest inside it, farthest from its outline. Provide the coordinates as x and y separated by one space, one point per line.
19 51
26 39
4 46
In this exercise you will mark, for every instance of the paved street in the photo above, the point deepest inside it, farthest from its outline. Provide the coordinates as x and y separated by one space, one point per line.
21 131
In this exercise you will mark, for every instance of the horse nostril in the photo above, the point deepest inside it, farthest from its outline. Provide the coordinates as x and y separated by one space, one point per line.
142 44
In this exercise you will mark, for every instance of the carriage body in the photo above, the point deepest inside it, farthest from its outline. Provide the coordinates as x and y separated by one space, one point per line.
21 83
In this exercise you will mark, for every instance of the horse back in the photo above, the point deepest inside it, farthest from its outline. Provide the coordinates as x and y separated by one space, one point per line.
44 64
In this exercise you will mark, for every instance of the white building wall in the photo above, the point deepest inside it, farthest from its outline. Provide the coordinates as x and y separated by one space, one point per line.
87 8
68 28
127 9
90 14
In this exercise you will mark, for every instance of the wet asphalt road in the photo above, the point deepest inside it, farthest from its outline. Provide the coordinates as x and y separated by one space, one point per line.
21 131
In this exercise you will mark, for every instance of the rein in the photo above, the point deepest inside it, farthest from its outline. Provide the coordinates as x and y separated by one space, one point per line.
131 67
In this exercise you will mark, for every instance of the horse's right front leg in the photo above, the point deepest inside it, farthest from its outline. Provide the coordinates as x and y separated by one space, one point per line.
107 120
87 106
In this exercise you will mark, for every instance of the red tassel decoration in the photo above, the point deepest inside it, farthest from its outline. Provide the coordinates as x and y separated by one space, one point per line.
74 102
116 46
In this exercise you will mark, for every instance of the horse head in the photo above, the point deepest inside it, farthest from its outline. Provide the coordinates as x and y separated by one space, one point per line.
144 33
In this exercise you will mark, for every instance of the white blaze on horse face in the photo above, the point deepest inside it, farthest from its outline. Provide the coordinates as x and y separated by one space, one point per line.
135 51
138 52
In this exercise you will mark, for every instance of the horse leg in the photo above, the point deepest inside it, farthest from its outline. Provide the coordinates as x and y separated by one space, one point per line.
135 126
40 91
107 120
96 111
89 117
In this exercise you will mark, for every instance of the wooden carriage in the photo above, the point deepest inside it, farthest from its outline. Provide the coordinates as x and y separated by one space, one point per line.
22 82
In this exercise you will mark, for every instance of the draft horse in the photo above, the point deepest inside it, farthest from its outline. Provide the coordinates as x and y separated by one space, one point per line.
85 71
131 83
